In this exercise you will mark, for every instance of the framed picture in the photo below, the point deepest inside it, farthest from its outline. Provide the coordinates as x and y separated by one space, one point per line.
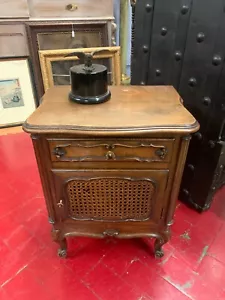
16 93
55 66
52 35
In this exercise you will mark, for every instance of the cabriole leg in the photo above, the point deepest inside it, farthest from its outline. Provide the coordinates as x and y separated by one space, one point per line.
159 242
59 239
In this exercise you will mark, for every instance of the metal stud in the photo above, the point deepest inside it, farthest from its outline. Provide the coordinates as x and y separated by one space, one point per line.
192 82
191 167
200 37
148 7
184 9
223 107
186 192
142 83
157 72
206 101
198 135
163 31
145 49
217 59
178 55
211 144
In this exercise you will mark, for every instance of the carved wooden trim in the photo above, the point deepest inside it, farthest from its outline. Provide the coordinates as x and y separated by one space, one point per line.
104 158
110 177
163 236
111 232
114 131
111 146
161 152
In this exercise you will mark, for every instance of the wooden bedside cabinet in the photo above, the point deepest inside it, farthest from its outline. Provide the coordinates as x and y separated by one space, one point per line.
112 169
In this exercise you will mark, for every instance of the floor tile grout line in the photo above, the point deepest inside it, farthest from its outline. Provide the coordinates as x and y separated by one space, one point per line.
214 257
14 276
32 235
16 208
20 270
93 292
217 233
188 296
174 285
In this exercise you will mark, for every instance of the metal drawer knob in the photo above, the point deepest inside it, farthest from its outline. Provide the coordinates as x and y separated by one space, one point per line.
161 153
59 152
110 155
71 7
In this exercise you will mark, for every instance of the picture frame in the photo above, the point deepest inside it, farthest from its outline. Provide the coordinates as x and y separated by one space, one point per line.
17 96
48 57
40 31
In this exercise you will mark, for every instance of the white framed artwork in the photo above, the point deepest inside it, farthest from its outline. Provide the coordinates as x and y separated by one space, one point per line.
17 100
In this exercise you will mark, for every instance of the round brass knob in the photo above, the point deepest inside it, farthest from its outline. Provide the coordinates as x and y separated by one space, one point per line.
110 155
71 7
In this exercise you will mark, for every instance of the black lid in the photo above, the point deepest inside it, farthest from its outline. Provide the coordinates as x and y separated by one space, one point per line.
82 69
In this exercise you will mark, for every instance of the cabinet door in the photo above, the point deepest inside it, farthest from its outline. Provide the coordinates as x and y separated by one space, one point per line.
14 9
110 196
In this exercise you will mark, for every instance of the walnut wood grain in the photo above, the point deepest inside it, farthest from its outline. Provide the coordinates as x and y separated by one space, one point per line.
131 110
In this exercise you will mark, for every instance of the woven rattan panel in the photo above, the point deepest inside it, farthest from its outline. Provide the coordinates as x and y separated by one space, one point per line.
110 199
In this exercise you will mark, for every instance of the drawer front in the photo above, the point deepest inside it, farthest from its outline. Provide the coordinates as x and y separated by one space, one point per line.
13 40
146 150
14 9
115 196
67 8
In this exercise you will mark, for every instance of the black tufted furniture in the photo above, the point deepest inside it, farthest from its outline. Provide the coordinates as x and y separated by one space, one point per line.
182 43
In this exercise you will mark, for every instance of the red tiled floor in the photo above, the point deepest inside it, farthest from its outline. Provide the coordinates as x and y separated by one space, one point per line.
108 285
25 287
212 271
217 249
4 295
193 266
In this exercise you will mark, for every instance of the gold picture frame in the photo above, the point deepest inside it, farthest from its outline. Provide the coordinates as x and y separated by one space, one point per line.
47 57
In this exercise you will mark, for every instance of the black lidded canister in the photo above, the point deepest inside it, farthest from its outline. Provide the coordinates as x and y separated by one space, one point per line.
89 87
89 82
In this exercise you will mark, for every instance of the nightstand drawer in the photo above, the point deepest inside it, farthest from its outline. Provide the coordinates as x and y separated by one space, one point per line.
67 8
146 150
